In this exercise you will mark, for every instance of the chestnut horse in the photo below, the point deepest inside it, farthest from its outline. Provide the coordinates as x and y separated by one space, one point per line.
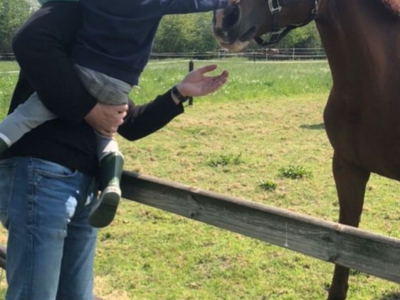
362 115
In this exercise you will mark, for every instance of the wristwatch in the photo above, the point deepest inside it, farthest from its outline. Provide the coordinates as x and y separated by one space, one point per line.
178 94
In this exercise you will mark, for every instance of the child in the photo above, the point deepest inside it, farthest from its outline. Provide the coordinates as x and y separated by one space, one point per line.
108 69
33 113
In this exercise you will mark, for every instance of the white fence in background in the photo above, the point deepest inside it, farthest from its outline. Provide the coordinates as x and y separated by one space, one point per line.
256 55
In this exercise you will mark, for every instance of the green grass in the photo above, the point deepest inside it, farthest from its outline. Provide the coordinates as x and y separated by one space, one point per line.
8 77
294 172
267 118
248 80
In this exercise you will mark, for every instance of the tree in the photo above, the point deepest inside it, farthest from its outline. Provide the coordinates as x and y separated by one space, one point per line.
193 33
303 37
185 33
13 14
169 37
200 36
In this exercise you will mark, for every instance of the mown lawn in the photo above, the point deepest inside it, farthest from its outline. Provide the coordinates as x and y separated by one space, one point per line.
267 118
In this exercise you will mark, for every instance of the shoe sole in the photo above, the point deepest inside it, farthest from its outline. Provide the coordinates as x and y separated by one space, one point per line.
104 211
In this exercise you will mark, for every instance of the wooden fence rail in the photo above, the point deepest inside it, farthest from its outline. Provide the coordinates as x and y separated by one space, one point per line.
332 242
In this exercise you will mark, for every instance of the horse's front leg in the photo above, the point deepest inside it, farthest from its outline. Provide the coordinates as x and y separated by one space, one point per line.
351 182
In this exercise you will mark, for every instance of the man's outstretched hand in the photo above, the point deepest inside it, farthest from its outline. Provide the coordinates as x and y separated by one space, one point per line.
196 83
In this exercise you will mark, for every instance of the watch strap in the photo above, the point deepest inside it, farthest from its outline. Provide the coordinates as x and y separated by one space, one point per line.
178 94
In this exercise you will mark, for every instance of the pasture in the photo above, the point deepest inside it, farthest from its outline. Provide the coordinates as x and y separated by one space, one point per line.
260 138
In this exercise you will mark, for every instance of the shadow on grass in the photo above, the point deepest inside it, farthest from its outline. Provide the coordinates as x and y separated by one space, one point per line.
313 126
390 296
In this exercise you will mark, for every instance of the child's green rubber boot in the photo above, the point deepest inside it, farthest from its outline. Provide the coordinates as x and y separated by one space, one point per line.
103 212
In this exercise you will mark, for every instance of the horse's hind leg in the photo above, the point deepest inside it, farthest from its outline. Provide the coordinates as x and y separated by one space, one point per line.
350 182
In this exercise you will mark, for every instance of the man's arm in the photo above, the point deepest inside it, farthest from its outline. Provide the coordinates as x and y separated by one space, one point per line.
145 119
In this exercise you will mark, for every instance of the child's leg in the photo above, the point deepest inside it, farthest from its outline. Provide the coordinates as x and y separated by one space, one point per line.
23 119
111 166
112 91
41 47
105 89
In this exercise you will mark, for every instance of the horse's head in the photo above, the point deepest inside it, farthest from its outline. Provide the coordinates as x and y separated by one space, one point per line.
244 20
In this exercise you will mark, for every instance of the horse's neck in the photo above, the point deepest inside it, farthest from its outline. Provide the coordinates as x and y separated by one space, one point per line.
354 37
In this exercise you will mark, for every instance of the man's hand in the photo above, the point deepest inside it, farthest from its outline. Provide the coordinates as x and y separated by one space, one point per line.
197 84
105 119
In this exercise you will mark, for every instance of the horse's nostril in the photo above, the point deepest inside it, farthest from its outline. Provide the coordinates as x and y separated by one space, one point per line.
231 17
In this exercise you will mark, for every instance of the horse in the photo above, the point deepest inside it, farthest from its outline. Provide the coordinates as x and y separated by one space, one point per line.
361 39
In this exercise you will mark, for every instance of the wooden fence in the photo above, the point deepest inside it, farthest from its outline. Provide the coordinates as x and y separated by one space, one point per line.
332 242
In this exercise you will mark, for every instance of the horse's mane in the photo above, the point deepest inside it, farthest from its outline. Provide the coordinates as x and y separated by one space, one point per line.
393 6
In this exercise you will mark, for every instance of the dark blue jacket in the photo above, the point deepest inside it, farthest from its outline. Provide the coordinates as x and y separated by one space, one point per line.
41 47
117 35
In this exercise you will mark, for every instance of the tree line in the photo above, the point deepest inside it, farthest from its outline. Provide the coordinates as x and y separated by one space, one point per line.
176 33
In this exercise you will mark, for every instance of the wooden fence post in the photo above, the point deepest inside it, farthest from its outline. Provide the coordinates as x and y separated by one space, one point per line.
191 66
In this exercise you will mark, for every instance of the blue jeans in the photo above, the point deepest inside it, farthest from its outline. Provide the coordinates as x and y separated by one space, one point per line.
50 249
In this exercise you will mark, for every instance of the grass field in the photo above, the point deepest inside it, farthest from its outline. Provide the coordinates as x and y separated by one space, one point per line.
241 141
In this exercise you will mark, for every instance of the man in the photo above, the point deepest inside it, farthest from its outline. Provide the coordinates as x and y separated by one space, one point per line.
48 178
